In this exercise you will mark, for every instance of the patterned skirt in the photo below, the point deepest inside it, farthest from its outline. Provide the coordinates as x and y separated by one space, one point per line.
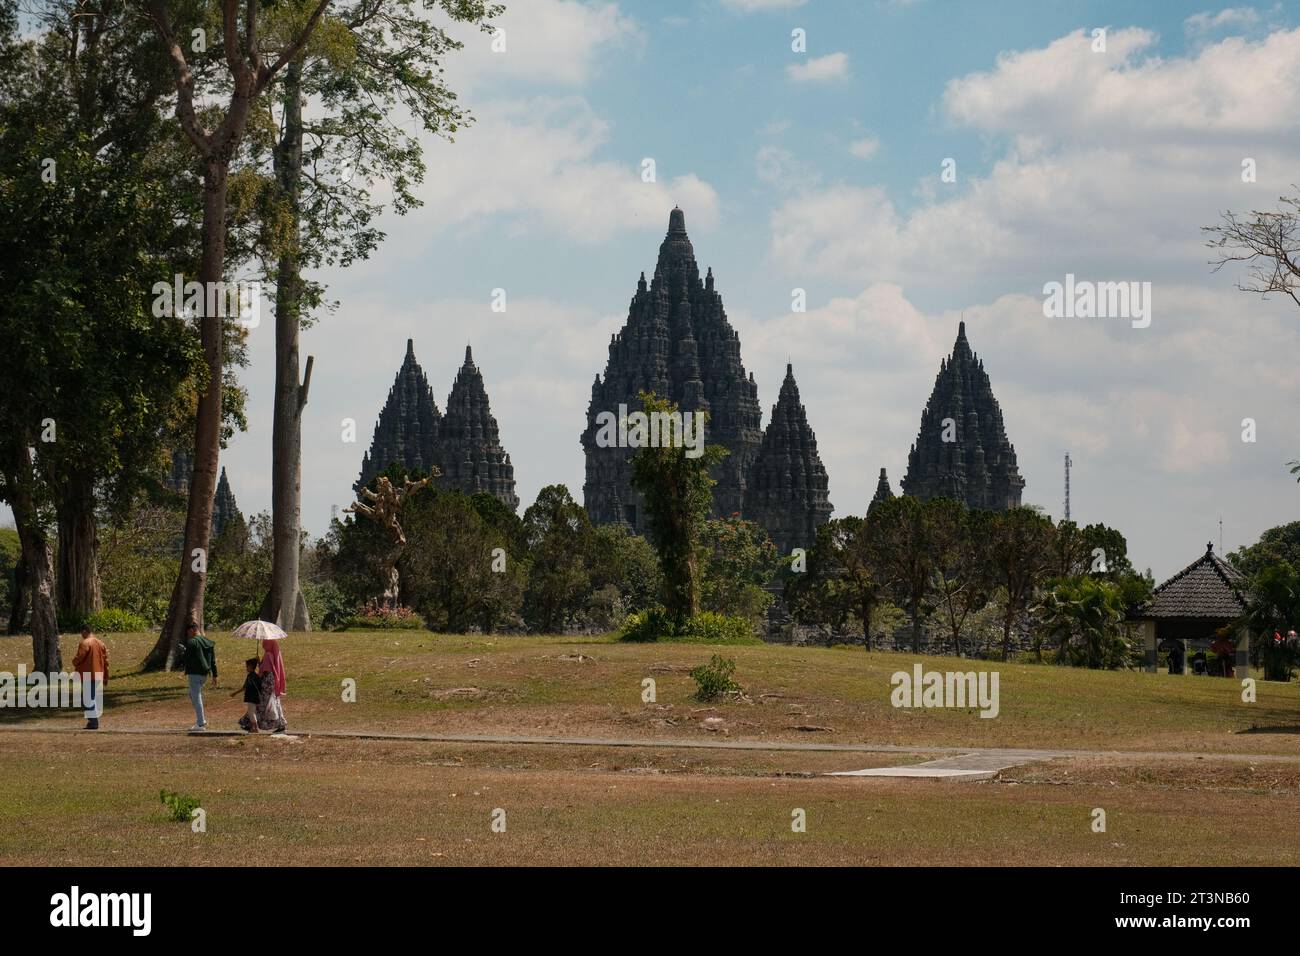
270 711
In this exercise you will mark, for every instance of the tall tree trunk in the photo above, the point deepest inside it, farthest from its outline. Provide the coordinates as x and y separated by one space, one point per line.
187 594
38 559
284 603
78 579
21 604
916 627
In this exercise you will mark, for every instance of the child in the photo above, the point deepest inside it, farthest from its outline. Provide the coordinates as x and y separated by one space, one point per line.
252 696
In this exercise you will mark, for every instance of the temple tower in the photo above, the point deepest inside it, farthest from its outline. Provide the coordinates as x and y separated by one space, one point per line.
962 450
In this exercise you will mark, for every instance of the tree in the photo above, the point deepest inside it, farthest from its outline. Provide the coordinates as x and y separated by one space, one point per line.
959 581
624 572
898 532
557 533
1272 611
459 570
373 58
844 578
738 560
1274 545
678 497
1016 553
215 137
1086 614
1268 244
91 213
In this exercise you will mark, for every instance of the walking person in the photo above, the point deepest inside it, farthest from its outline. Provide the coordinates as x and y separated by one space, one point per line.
200 661
91 662
270 713
252 691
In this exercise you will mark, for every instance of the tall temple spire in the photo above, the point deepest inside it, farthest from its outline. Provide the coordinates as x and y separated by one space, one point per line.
469 448
676 343
883 491
787 491
962 450
224 509
406 432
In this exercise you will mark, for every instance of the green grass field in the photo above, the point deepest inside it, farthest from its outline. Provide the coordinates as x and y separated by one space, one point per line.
87 798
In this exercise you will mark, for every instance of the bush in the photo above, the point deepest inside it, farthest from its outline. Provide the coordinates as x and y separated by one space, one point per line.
374 615
649 625
179 808
714 679
655 624
713 628
115 620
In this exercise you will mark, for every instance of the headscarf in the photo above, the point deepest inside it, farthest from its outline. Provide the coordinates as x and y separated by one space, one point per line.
273 663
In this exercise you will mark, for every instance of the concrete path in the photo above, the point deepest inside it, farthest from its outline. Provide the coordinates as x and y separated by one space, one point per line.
1014 754
971 766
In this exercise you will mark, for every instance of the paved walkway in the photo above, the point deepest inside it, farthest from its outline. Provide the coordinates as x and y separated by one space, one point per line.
970 766
964 755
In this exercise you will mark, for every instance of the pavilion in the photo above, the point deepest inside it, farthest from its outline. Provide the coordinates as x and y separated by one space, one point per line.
1205 597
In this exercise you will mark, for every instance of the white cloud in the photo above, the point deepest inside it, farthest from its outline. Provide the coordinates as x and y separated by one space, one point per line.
753 6
550 42
535 162
831 68
1113 164
1123 97
864 148
1229 18
781 168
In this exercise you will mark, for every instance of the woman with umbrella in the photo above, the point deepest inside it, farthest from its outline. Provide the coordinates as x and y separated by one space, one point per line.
270 709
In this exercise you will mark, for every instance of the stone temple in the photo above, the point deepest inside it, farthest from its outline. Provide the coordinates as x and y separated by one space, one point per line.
464 444
962 450
678 343
787 488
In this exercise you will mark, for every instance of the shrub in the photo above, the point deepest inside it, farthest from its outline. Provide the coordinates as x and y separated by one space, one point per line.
714 679
179 807
649 625
714 628
709 627
386 617
116 620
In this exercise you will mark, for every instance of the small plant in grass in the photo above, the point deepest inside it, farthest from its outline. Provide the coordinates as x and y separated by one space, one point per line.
714 679
179 807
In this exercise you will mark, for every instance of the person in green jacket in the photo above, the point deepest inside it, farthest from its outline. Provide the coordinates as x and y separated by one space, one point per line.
200 661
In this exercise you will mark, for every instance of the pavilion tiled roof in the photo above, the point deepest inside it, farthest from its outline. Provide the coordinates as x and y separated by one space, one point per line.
1209 587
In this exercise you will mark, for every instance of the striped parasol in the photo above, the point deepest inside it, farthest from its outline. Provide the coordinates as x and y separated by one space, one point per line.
260 631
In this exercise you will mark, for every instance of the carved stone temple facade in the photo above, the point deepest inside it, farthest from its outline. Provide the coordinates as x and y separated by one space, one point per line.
962 450
464 445
678 343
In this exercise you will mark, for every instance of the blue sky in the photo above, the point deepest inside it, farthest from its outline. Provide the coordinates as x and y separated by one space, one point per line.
821 171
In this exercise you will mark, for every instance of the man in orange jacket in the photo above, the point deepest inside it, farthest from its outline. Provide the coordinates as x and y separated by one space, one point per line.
91 663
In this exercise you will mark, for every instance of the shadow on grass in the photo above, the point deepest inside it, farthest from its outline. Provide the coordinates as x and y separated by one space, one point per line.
1288 729
112 701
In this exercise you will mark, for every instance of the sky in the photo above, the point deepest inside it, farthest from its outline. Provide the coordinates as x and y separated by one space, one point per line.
821 170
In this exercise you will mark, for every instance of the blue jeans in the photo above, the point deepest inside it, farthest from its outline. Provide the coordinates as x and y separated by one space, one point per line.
196 697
